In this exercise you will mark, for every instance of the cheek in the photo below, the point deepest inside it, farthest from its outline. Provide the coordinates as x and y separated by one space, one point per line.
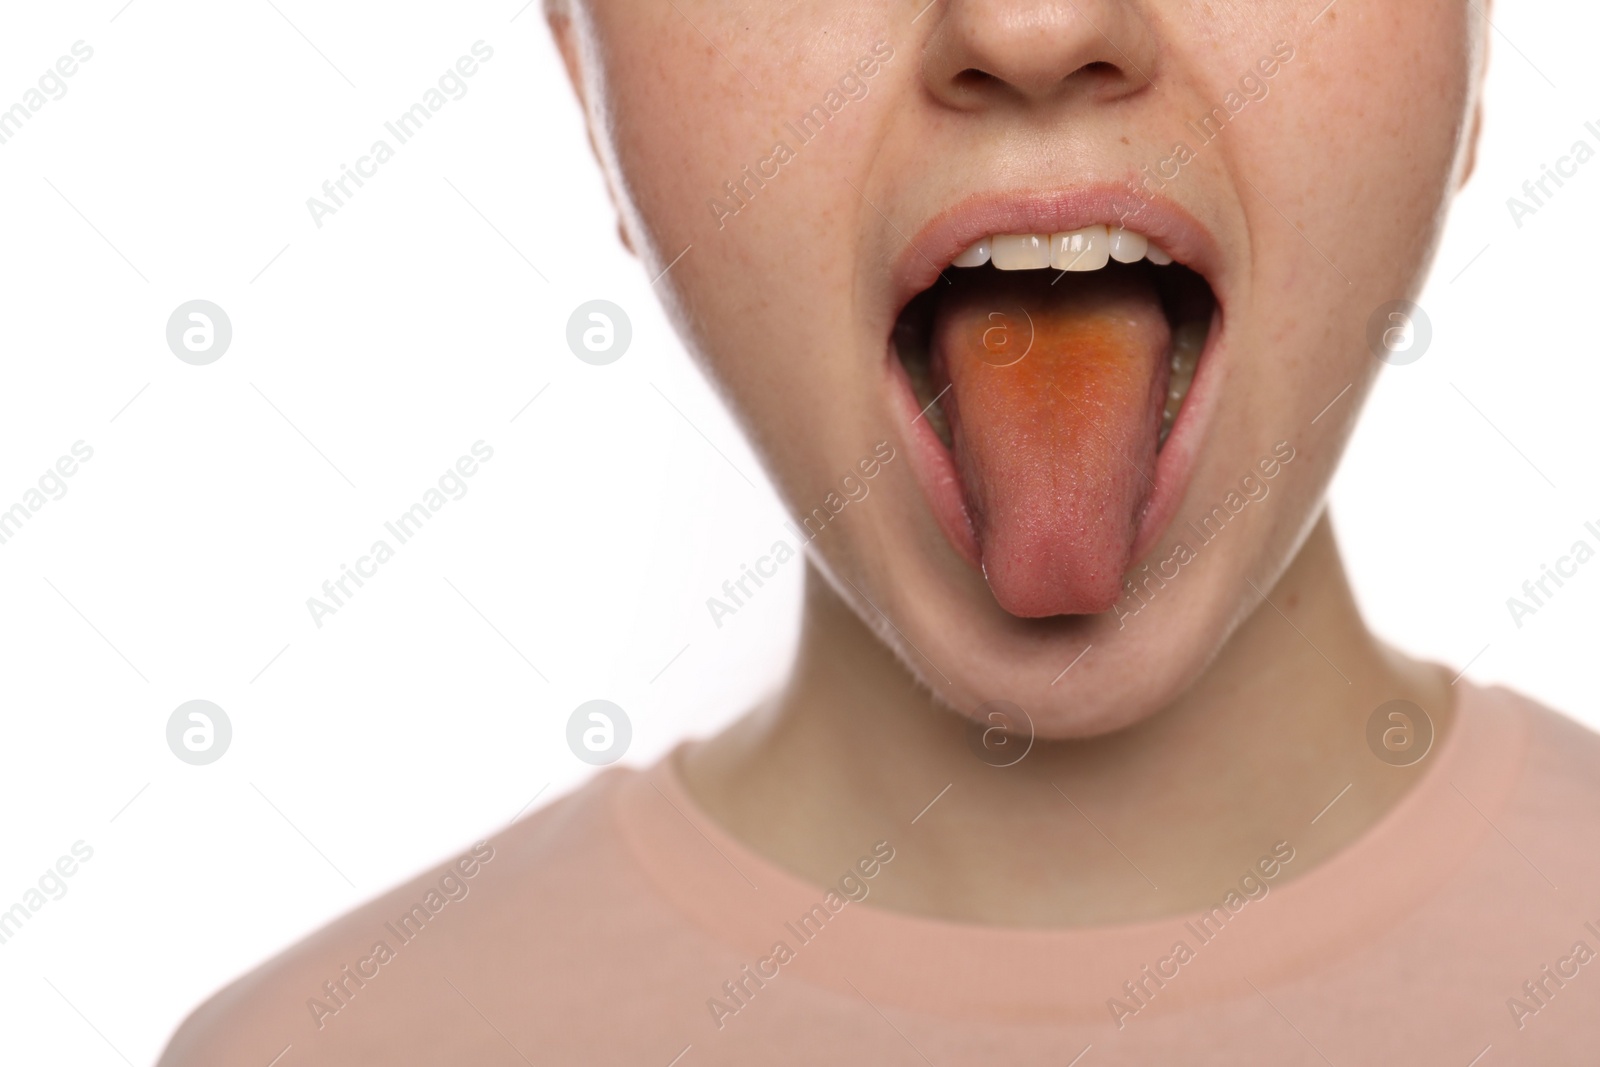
667 125
708 108
1366 138
1354 153
767 257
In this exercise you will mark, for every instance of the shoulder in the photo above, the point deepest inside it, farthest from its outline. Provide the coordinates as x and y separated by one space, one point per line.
1552 735
1559 781
1559 742
388 981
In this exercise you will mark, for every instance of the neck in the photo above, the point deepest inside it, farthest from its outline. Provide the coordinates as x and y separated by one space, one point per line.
1153 820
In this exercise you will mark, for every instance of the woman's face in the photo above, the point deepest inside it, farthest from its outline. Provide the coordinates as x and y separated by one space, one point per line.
824 162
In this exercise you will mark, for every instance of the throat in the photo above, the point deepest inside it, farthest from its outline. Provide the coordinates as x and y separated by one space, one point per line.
1192 796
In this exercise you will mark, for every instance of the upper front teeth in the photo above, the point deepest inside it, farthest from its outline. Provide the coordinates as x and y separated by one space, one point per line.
1026 251
1087 249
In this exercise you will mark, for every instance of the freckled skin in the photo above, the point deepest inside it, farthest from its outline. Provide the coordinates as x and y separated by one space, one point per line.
1361 140
1358 128
1056 448
1200 731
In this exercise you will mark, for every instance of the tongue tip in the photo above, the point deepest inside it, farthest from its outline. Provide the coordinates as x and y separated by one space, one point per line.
1022 592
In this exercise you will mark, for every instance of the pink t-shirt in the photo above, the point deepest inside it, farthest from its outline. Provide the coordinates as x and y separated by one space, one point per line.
620 925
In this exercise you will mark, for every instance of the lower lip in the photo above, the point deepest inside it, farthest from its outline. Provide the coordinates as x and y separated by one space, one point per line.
941 483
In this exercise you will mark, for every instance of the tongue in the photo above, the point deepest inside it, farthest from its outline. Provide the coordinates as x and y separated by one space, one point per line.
1057 446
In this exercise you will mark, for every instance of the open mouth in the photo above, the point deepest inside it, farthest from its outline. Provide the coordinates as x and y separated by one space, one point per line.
1051 370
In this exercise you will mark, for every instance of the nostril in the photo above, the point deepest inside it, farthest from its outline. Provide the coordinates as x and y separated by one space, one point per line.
974 82
973 79
1029 54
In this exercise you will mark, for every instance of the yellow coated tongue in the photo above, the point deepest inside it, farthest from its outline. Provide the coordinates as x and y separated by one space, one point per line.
1054 411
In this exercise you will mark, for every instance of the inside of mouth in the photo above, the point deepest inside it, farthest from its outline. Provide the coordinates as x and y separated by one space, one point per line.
1055 392
1186 302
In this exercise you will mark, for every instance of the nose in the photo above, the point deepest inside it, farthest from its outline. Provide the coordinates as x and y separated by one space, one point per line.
990 53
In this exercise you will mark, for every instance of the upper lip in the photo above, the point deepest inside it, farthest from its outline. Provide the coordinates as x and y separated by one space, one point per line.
953 230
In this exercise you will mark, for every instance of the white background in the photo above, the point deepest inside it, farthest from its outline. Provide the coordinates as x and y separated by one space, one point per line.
371 353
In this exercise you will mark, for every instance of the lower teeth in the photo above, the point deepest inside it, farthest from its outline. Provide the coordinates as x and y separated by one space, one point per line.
1188 341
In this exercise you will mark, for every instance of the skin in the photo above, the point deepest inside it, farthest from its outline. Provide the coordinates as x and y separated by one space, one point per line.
1195 733
1186 742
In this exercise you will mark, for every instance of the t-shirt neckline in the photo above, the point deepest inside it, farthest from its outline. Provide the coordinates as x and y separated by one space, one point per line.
747 903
